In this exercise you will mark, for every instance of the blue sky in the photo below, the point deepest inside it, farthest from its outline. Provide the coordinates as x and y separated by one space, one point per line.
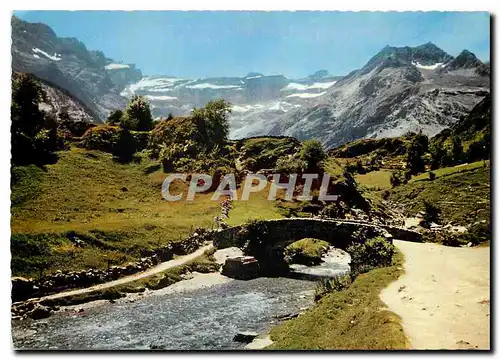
200 44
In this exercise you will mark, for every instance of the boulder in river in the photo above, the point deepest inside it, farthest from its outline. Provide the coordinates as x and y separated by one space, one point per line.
241 267
245 336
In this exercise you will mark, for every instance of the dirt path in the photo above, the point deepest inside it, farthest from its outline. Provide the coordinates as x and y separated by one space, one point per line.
444 296
124 280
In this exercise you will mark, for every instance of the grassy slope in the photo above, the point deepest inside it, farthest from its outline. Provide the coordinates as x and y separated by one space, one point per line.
309 247
451 170
377 180
463 196
352 319
82 193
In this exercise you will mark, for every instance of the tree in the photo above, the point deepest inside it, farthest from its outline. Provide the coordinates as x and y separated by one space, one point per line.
115 117
313 154
214 118
414 162
35 135
27 118
137 115
457 150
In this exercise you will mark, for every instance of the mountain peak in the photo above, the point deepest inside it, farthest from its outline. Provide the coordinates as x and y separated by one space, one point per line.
425 54
464 60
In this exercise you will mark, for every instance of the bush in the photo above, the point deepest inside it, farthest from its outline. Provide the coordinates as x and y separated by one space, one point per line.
477 233
432 176
101 137
290 165
375 252
386 194
313 154
431 214
306 251
396 179
326 286
115 117
125 146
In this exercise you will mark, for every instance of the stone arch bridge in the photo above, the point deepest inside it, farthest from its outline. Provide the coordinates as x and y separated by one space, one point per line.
267 239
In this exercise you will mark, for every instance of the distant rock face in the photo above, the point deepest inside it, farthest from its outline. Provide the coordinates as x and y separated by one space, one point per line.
398 90
67 63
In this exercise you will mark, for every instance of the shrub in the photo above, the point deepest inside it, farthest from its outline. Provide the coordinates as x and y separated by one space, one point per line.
290 165
396 179
125 146
432 176
101 137
386 194
373 253
477 233
431 214
115 117
313 154
326 286
306 251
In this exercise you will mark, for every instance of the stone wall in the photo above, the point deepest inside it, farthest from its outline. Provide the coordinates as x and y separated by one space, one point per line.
23 289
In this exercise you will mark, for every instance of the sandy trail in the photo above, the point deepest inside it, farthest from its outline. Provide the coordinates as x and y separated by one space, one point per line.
444 296
124 280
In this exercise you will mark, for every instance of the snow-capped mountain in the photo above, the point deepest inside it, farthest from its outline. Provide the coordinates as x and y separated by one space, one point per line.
257 98
398 90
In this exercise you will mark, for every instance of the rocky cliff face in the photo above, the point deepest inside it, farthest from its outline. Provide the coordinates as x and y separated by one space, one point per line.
67 63
58 101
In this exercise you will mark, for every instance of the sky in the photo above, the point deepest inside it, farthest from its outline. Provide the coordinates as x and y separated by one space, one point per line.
295 44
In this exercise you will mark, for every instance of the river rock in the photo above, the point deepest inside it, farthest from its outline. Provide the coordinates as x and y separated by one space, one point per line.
39 312
245 336
22 288
241 267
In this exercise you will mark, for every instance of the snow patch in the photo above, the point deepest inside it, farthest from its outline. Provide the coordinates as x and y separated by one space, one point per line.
253 77
152 84
212 86
306 95
116 66
55 57
36 56
161 98
302 87
245 108
426 67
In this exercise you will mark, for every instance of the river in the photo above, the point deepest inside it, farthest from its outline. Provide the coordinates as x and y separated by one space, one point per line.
195 319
